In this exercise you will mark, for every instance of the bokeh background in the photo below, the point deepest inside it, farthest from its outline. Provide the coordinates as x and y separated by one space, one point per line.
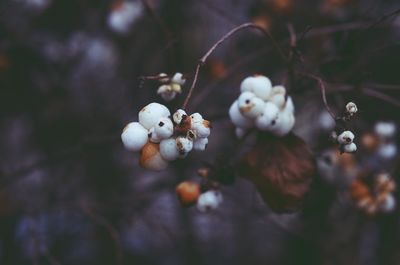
69 82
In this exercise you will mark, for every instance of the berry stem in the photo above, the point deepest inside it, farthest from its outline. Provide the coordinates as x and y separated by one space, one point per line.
218 43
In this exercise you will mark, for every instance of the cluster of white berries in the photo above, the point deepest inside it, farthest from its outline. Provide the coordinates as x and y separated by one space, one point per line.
262 105
345 140
379 198
161 139
123 15
387 147
209 200
170 86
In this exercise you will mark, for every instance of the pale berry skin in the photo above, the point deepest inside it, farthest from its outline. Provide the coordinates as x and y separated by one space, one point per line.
283 124
122 19
153 137
164 128
134 136
387 150
267 117
259 85
168 149
184 145
278 96
150 114
200 144
351 108
345 137
166 92
209 200
385 129
178 79
237 118
177 117
349 148
389 204
289 105
249 105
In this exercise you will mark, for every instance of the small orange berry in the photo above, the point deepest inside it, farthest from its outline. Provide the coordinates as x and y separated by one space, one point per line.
188 192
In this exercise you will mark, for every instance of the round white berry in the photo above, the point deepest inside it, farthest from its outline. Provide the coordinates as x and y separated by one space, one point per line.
163 78
134 136
164 128
201 127
351 108
200 144
269 115
385 129
178 79
121 19
168 149
260 85
153 136
250 105
387 150
178 116
283 124
389 204
166 92
278 96
289 106
237 118
345 137
209 200
149 115
349 148
184 145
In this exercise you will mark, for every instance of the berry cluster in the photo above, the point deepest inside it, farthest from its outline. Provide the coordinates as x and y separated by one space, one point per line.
342 135
161 139
262 105
189 193
378 198
170 86
386 132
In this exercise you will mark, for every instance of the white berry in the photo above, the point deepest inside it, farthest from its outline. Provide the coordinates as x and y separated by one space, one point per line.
250 105
387 150
153 136
178 79
283 124
385 129
164 128
267 117
260 85
351 108
178 116
345 137
184 145
349 148
237 118
209 200
278 96
149 115
200 144
134 136
166 92
168 149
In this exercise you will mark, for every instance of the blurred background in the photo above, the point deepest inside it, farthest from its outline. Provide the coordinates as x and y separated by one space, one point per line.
69 82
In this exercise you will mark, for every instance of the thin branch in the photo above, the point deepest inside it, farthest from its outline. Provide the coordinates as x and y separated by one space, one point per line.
382 96
323 91
218 43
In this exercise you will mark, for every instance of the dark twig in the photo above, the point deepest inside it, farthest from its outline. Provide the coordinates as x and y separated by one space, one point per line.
218 43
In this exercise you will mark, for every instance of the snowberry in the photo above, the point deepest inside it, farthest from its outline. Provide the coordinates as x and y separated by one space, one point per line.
349 148
385 129
200 126
168 149
124 14
209 200
150 157
150 114
237 118
269 115
289 105
388 204
167 92
200 144
184 145
387 150
188 192
259 85
351 108
153 136
283 124
179 115
134 136
164 128
250 105
178 79
278 96
345 137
